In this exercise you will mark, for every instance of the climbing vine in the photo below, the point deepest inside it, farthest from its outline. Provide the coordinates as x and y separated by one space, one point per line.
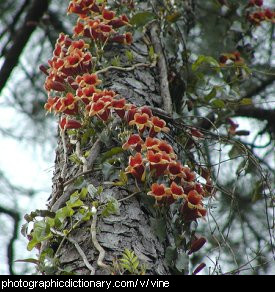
88 111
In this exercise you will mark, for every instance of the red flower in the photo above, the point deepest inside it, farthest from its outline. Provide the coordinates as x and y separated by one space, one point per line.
196 245
134 142
157 125
177 191
189 175
158 162
192 214
131 113
151 143
136 167
51 102
87 79
175 169
100 109
199 268
125 39
141 121
119 22
66 123
107 14
159 191
193 199
120 106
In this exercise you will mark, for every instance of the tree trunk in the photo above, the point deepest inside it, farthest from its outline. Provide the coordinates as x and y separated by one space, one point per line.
131 227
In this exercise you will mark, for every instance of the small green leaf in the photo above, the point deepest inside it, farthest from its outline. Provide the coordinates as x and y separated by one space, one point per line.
204 59
142 18
159 227
111 153
235 152
218 103
246 101
130 56
170 255
112 207
211 95
173 17
29 260
83 193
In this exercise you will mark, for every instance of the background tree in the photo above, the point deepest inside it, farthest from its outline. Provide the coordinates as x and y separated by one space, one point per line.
217 66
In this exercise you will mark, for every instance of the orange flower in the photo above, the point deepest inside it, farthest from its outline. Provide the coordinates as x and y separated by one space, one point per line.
141 121
151 143
192 214
177 191
120 106
107 14
99 108
87 79
125 39
196 245
66 123
51 102
134 142
168 149
175 169
136 167
157 125
159 191
119 22
189 175
158 162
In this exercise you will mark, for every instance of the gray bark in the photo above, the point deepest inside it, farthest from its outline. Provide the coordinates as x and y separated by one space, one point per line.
131 228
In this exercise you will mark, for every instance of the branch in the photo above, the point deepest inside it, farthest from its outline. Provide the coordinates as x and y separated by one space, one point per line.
257 90
10 250
34 14
164 84
257 113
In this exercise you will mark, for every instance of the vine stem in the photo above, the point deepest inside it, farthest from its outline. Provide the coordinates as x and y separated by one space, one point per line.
125 69
164 84
78 248
97 245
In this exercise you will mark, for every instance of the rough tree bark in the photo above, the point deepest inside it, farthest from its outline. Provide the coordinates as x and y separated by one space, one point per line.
131 228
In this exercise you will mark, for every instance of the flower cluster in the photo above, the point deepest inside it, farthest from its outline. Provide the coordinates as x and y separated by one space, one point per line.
261 14
98 23
156 158
73 92
229 58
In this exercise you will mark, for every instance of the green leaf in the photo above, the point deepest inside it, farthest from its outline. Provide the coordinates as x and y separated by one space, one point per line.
170 255
111 153
123 179
92 190
235 152
246 101
130 56
29 260
159 227
62 214
75 159
218 103
211 95
74 200
107 170
112 207
204 59
85 138
83 193
173 17
142 18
